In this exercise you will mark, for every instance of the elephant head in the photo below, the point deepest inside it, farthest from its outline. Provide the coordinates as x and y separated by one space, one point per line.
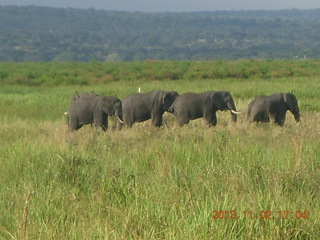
224 101
111 106
168 98
292 105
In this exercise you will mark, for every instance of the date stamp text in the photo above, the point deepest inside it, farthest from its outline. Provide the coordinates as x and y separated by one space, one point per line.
299 214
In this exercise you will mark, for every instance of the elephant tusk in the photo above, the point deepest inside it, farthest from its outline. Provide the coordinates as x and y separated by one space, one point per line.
65 113
235 112
120 120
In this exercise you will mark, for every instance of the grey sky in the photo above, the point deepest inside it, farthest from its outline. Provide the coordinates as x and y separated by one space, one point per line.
171 5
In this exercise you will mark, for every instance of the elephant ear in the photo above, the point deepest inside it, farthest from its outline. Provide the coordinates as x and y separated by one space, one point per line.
117 107
174 94
289 99
167 100
218 101
117 103
105 105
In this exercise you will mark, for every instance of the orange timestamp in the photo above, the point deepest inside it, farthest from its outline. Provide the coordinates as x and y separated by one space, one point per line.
260 214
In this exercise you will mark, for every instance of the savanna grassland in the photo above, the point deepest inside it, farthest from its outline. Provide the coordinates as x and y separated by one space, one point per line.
158 183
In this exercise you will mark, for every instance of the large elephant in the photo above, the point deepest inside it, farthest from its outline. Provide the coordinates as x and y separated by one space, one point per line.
139 107
189 106
89 108
275 106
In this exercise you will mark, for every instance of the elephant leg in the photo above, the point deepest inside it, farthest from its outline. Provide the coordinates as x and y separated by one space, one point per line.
101 120
261 117
280 119
73 123
156 118
250 116
128 120
157 121
211 119
251 119
182 119
104 122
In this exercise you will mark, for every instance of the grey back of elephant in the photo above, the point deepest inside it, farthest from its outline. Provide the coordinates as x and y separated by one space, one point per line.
83 95
140 107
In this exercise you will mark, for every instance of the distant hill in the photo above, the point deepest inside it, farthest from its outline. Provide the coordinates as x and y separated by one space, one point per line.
51 34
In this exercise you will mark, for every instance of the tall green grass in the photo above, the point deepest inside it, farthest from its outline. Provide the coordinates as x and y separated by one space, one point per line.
166 183
159 183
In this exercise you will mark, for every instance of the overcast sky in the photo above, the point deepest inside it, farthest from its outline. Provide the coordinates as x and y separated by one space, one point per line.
171 5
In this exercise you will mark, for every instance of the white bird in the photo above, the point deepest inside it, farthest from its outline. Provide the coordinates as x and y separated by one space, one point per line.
139 89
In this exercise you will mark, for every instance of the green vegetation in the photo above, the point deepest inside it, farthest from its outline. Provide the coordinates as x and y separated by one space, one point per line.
76 73
48 34
147 183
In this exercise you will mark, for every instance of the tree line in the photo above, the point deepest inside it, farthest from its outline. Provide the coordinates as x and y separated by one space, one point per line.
43 34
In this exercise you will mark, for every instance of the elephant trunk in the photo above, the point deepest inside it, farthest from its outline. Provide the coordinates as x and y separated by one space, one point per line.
233 110
293 107
118 113
296 112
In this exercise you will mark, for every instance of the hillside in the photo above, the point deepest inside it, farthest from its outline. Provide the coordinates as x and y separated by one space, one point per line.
50 34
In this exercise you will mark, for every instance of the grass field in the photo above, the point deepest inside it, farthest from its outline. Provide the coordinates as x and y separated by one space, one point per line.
167 183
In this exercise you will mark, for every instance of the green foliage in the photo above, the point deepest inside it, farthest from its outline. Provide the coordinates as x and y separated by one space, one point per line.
42 34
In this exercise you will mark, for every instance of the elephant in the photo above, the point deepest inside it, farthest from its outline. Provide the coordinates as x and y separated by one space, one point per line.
139 107
89 108
275 106
190 106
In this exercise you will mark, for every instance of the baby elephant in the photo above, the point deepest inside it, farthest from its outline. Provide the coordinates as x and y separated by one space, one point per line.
262 108
89 108
189 106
